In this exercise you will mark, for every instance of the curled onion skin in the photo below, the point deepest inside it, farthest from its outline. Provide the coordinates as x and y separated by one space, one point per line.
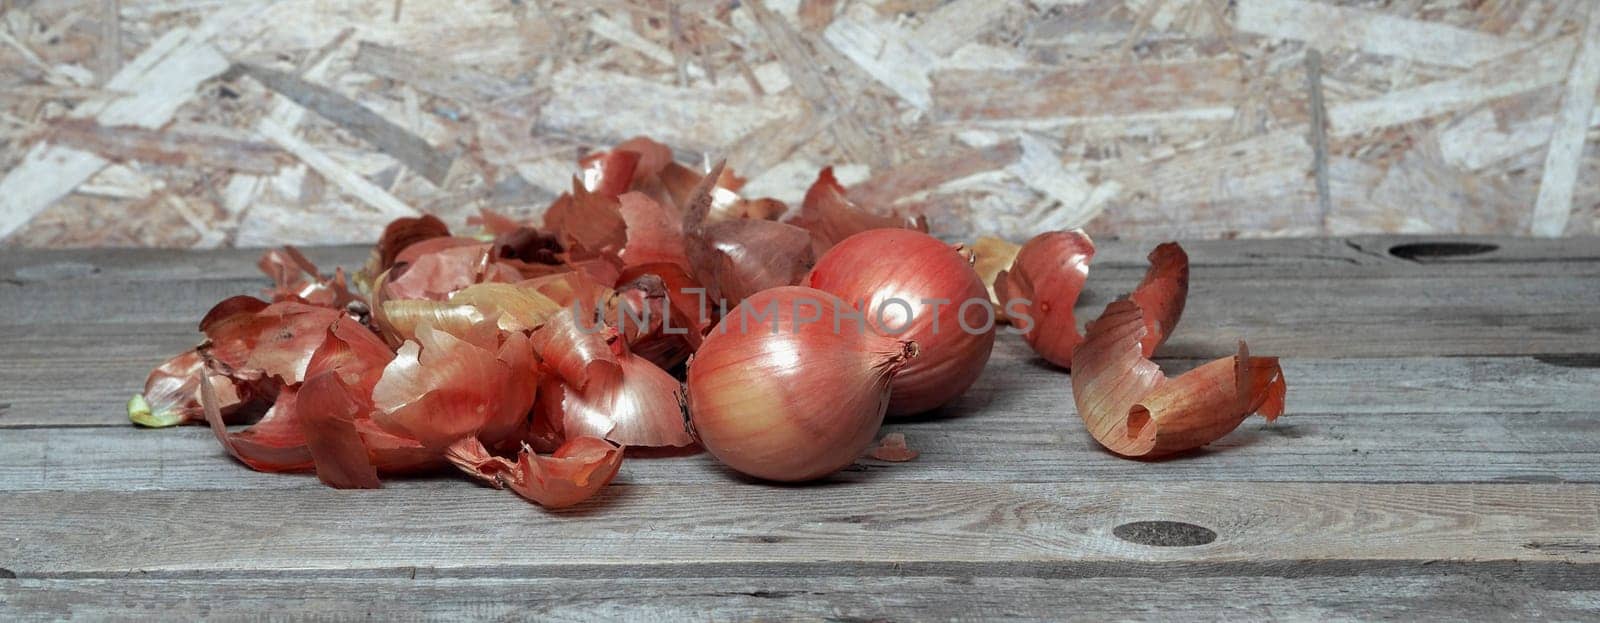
1049 273
1162 293
605 391
1134 410
791 401
832 216
402 233
172 393
577 470
874 268
990 256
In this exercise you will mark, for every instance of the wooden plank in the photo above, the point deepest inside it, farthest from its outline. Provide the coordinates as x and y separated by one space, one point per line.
1522 312
1452 595
985 447
82 375
157 265
1351 257
104 364
653 530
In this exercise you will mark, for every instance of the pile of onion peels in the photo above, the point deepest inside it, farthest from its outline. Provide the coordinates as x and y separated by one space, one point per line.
531 356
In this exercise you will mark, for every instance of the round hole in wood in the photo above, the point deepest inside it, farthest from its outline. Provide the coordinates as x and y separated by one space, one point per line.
1164 533
1426 251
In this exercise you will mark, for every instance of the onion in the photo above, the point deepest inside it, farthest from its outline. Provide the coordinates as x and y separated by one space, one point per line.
787 397
887 274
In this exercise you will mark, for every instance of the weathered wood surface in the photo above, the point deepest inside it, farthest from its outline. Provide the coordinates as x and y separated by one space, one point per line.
1450 594
1440 458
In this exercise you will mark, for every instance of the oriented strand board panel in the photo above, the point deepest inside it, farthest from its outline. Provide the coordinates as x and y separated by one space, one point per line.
179 123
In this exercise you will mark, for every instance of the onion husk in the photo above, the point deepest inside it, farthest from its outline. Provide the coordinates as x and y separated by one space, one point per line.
295 278
171 393
328 412
831 217
990 256
399 235
1132 409
1162 293
892 448
627 400
1039 290
573 474
441 388
275 443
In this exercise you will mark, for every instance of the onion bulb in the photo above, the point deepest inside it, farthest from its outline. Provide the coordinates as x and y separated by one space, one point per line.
913 286
788 387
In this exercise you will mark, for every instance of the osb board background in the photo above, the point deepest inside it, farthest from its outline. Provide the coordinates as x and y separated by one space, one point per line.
250 122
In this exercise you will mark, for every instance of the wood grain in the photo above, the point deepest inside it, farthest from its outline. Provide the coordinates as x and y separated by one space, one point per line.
655 529
1048 447
1454 594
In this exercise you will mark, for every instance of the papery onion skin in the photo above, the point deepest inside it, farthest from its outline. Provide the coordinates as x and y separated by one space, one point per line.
440 388
328 414
639 407
747 256
577 470
401 233
954 339
791 401
1049 273
832 217
275 443
990 256
1134 410
233 327
1162 293
893 448
172 393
